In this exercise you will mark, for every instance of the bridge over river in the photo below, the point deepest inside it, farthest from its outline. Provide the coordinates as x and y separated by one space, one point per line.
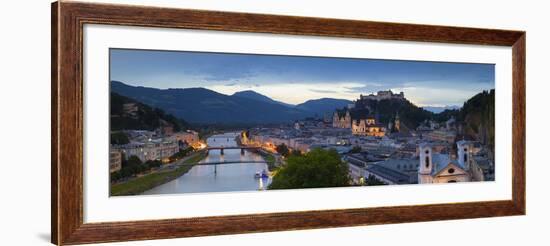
222 148
225 162
227 167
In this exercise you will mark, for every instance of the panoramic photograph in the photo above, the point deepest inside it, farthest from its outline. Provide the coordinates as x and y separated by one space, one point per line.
199 122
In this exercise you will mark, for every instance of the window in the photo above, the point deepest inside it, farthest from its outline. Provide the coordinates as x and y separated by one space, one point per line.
465 157
427 161
451 170
451 181
427 152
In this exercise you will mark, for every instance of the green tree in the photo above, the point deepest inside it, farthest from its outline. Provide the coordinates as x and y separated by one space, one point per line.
296 152
131 166
372 181
181 154
115 176
316 169
153 164
283 150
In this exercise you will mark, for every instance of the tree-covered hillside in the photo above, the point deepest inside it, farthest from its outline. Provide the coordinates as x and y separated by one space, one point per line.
204 106
146 117
478 116
386 110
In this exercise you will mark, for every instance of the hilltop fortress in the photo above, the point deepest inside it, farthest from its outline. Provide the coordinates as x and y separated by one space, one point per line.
382 95
359 118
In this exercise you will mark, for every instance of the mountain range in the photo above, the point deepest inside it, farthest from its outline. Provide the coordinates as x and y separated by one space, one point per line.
438 109
259 97
200 105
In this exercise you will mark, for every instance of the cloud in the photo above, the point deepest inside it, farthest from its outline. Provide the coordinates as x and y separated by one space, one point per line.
295 93
368 87
230 72
322 91
433 96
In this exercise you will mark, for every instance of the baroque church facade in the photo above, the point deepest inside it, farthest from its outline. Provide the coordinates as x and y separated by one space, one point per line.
364 124
359 126
341 120
367 127
442 168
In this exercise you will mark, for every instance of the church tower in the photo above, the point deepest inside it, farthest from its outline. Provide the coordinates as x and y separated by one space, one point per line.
335 119
465 149
397 123
347 120
425 165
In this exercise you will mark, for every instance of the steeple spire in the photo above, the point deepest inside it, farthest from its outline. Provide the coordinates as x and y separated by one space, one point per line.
397 122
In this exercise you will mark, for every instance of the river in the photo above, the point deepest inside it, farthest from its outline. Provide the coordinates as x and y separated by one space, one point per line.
219 178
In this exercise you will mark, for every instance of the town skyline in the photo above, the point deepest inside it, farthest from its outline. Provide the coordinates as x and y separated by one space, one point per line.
380 139
194 122
433 84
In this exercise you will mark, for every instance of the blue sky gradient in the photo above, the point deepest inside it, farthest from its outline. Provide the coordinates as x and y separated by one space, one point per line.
296 79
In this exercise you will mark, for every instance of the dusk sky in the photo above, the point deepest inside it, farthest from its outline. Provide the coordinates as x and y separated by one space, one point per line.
296 79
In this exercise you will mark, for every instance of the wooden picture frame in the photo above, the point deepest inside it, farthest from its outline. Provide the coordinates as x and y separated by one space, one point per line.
68 19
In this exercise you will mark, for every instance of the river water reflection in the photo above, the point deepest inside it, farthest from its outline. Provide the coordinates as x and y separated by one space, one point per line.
225 177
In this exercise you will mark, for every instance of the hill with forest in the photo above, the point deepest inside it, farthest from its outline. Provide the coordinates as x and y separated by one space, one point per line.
140 116
386 110
438 109
476 117
250 94
478 114
201 105
321 106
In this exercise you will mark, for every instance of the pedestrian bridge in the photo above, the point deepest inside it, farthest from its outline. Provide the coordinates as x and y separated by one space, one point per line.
215 164
222 148
227 162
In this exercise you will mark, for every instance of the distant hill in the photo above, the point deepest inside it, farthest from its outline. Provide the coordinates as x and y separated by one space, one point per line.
437 110
324 105
259 97
199 105
478 117
386 110
315 107
143 117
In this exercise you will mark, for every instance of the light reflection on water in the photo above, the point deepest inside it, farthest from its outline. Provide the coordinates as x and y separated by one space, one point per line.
228 177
